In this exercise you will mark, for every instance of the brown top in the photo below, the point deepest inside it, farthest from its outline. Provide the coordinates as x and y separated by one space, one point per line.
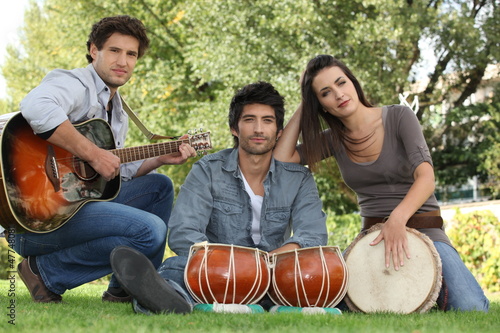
382 184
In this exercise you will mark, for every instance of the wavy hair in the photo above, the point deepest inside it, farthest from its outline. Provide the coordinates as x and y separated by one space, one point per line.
122 24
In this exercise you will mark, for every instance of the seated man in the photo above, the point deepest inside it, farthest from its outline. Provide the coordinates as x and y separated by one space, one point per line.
78 252
240 196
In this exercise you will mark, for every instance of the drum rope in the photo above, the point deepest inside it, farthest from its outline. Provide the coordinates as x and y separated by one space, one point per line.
257 281
297 268
232 274
204 264
302 286
275 284
233 295
345 279
324 276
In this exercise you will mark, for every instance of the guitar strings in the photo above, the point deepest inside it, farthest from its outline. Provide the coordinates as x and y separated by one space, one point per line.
133 152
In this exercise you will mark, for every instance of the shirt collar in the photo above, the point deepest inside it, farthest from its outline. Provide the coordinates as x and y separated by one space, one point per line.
103 92
231 165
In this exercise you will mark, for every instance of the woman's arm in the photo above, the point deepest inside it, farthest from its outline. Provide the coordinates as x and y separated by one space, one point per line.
394 232
285 150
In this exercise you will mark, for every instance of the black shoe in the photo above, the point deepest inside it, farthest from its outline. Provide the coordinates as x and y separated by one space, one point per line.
109 297
139 279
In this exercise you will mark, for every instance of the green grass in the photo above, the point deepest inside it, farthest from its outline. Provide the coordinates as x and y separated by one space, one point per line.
83 311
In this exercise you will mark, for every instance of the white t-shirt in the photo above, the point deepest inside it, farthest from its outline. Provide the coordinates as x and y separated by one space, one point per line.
256 210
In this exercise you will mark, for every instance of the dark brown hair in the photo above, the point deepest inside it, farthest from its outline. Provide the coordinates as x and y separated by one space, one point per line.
256 93
122 24
314 120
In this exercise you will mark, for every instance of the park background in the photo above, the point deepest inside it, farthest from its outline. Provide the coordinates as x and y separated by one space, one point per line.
438 56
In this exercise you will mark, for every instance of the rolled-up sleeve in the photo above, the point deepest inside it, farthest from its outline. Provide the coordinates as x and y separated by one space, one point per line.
48 105
411 135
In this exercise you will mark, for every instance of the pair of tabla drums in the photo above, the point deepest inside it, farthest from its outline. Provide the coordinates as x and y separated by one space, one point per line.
229 274
318 276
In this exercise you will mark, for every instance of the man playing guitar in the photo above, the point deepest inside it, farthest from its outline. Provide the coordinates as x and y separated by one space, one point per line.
78 251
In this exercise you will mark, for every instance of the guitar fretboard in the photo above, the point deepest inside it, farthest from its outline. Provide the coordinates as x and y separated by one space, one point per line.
142 152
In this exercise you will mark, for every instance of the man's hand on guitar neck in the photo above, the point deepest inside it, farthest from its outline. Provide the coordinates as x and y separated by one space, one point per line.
180 157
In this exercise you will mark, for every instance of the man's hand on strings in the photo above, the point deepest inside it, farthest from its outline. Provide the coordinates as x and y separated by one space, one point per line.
105 163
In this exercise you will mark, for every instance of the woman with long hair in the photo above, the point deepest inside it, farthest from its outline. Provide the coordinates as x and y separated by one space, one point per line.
383 157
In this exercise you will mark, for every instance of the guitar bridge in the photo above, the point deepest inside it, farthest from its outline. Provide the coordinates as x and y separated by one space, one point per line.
51 169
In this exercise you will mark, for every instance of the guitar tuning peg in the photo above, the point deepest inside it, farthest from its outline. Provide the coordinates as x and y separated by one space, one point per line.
190 132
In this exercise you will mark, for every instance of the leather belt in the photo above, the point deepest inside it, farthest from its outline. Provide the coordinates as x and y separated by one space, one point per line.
430 219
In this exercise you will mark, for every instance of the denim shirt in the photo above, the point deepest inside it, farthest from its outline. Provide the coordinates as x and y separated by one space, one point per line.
76 95
214 206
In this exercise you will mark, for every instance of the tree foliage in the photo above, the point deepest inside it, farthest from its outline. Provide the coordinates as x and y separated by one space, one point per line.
466 138
202 51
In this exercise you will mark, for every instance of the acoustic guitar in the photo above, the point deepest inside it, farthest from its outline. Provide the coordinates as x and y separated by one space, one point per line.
42 186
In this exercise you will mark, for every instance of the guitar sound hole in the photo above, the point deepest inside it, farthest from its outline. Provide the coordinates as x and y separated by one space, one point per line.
83 170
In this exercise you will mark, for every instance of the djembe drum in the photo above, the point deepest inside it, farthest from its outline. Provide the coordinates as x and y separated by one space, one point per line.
308 277
227 274
375 288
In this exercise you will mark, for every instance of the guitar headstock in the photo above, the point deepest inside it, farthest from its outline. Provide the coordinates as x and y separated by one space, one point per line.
200 141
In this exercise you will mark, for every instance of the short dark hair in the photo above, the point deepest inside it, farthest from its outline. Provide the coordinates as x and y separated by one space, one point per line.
122 24
256 93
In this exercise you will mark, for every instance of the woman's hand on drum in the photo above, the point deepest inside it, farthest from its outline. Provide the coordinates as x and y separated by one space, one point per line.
396 243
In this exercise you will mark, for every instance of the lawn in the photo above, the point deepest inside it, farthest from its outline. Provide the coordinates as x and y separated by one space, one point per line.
83 311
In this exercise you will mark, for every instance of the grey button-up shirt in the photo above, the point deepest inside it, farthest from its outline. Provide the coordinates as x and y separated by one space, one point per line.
214 206
78 95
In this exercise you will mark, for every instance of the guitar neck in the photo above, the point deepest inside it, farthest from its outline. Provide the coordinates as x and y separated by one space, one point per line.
142 152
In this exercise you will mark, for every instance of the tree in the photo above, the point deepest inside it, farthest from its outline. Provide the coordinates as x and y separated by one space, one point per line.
465 143
465 39
202 51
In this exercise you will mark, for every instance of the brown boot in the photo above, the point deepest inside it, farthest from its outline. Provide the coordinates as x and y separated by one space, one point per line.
39 292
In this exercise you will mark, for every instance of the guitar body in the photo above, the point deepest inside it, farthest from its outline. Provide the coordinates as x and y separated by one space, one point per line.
44 185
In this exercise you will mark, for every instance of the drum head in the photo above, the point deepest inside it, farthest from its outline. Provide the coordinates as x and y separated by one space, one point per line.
374 288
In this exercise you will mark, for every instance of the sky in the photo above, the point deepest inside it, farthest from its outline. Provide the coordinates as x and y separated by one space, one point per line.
11 19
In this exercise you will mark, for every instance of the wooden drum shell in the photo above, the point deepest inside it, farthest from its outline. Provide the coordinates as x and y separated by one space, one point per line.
308 277
227 274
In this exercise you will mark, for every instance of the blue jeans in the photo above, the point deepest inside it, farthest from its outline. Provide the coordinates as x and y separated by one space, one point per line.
464 293
78 252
